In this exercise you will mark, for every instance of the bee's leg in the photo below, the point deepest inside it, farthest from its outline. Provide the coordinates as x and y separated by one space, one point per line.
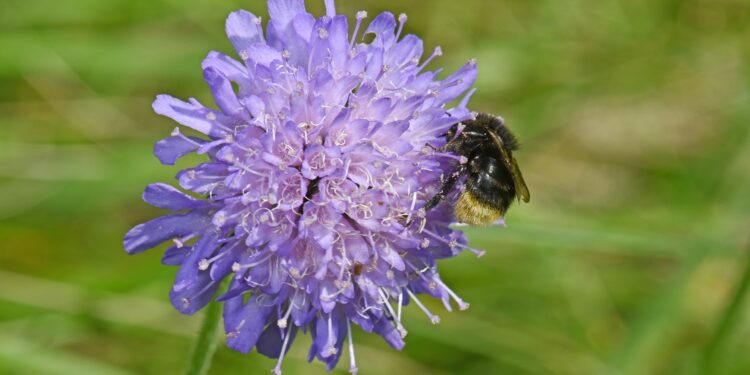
448 185
436 149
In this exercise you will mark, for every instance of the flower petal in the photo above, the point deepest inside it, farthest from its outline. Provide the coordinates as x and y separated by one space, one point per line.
330 8
406 50
169 149
283 11
242 30
193 287
270 341
175 255
457 83
224 94
244 323
385 328
383 26
192 115
203 178
227 66
168 197
151 233
338 42
262 54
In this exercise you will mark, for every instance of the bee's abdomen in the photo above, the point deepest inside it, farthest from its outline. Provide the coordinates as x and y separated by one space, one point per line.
470 210
490 183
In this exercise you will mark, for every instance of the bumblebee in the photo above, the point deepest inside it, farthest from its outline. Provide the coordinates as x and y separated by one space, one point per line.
493 179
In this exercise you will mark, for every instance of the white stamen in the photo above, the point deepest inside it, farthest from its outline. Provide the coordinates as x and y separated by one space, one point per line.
236 267
277 369
203 264
423 223
401 22
433 318
462 305
323 33
454 243
259 25
331 349
360 16
282 323
220 219
180 242
352 361
399 327
438 52
211 116
294 272
400 306
253 264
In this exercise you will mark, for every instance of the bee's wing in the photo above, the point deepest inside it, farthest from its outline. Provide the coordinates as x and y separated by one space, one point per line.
512 165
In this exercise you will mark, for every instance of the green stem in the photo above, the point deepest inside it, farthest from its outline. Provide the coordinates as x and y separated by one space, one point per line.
205 345
727 322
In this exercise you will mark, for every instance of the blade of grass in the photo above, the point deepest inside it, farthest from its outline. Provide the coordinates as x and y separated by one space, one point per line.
657 323
23 356
731 316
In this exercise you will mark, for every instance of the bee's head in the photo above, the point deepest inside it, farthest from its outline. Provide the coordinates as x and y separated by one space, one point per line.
451 133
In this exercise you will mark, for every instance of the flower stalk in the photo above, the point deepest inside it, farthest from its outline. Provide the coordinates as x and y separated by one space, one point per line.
204 347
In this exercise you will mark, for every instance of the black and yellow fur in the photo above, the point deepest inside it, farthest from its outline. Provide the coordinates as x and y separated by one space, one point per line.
493 179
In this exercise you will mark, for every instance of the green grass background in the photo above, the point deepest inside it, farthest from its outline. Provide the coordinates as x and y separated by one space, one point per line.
629 259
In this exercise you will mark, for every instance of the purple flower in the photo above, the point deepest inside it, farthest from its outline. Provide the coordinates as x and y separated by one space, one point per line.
320 155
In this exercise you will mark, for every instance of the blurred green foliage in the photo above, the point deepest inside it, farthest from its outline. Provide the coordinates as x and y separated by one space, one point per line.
634 118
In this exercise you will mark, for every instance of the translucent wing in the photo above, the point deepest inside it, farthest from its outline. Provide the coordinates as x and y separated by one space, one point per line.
512 165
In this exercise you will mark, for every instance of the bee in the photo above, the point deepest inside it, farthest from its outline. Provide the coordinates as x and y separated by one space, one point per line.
493 179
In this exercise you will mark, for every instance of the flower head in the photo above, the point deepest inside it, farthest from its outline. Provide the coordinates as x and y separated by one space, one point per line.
320 154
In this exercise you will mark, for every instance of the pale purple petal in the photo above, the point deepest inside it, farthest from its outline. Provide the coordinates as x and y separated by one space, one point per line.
192 115
175 255
383 26
168 150
149 234
227 66
283 11
193 288
167 197
330 8
224 94
458 82
244 323
261 53
242 30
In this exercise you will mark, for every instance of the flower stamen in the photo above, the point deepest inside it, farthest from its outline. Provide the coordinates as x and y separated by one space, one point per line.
352 360
399 327
360 16
277 369
433 318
